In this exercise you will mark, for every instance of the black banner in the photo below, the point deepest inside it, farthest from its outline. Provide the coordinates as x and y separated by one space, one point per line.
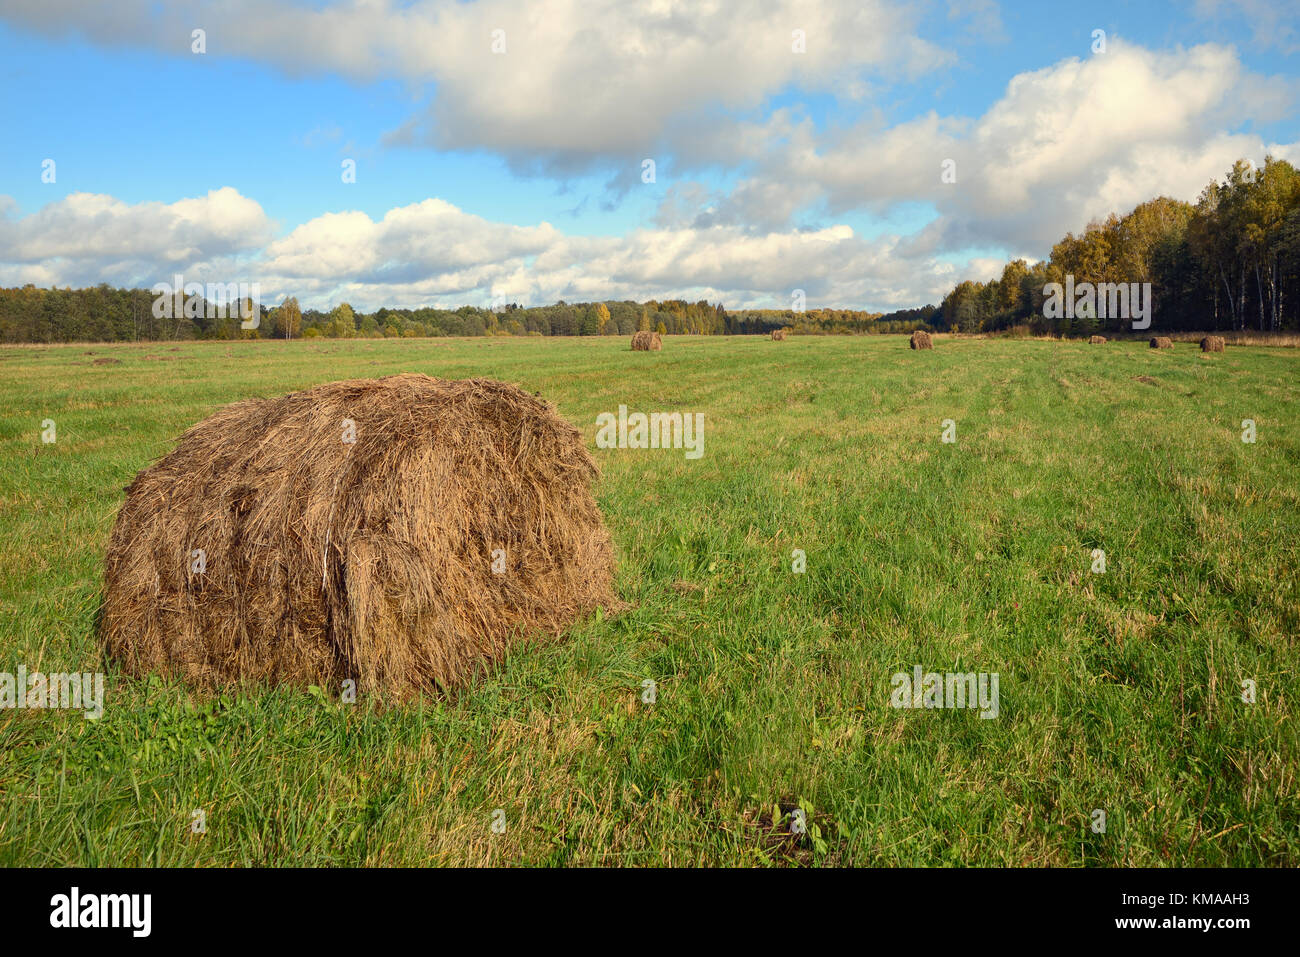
945 906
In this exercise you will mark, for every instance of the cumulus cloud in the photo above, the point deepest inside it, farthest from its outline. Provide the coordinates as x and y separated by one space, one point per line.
541 265
432 253
586 83
1064 145
1084 138
433 237
578 81
88 238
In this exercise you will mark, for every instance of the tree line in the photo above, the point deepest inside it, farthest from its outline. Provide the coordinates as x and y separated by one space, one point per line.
107 314
1229 261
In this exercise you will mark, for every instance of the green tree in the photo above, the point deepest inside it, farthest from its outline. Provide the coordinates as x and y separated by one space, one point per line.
288 317
344 319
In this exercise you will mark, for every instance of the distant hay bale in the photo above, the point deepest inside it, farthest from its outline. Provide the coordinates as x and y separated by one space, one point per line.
1213 344
646 342
1097 340
1162 342
401 532
920 340
105 361
778 335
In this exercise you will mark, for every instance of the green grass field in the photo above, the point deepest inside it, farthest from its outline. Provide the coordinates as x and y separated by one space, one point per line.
1119 691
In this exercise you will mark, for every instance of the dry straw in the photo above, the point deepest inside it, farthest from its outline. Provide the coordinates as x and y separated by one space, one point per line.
324 559
646 342
1097 340
1162 342
1212 344
921 340
778 335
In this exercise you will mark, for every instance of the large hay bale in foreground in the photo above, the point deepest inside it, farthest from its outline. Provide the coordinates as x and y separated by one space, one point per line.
325 559
646 342
920 340
1097 340
1213 344
1162 342
778 335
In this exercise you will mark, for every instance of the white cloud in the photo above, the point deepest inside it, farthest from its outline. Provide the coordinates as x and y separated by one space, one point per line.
432 253
580 80
428 249
596 82
1064 144
87 238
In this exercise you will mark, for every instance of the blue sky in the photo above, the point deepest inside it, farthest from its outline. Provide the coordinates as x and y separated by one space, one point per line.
519 173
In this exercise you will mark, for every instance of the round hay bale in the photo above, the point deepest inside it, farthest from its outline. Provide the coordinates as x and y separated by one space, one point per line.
778 335
1213 344
646 342
1097 340
1162 342
403 532
920 340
